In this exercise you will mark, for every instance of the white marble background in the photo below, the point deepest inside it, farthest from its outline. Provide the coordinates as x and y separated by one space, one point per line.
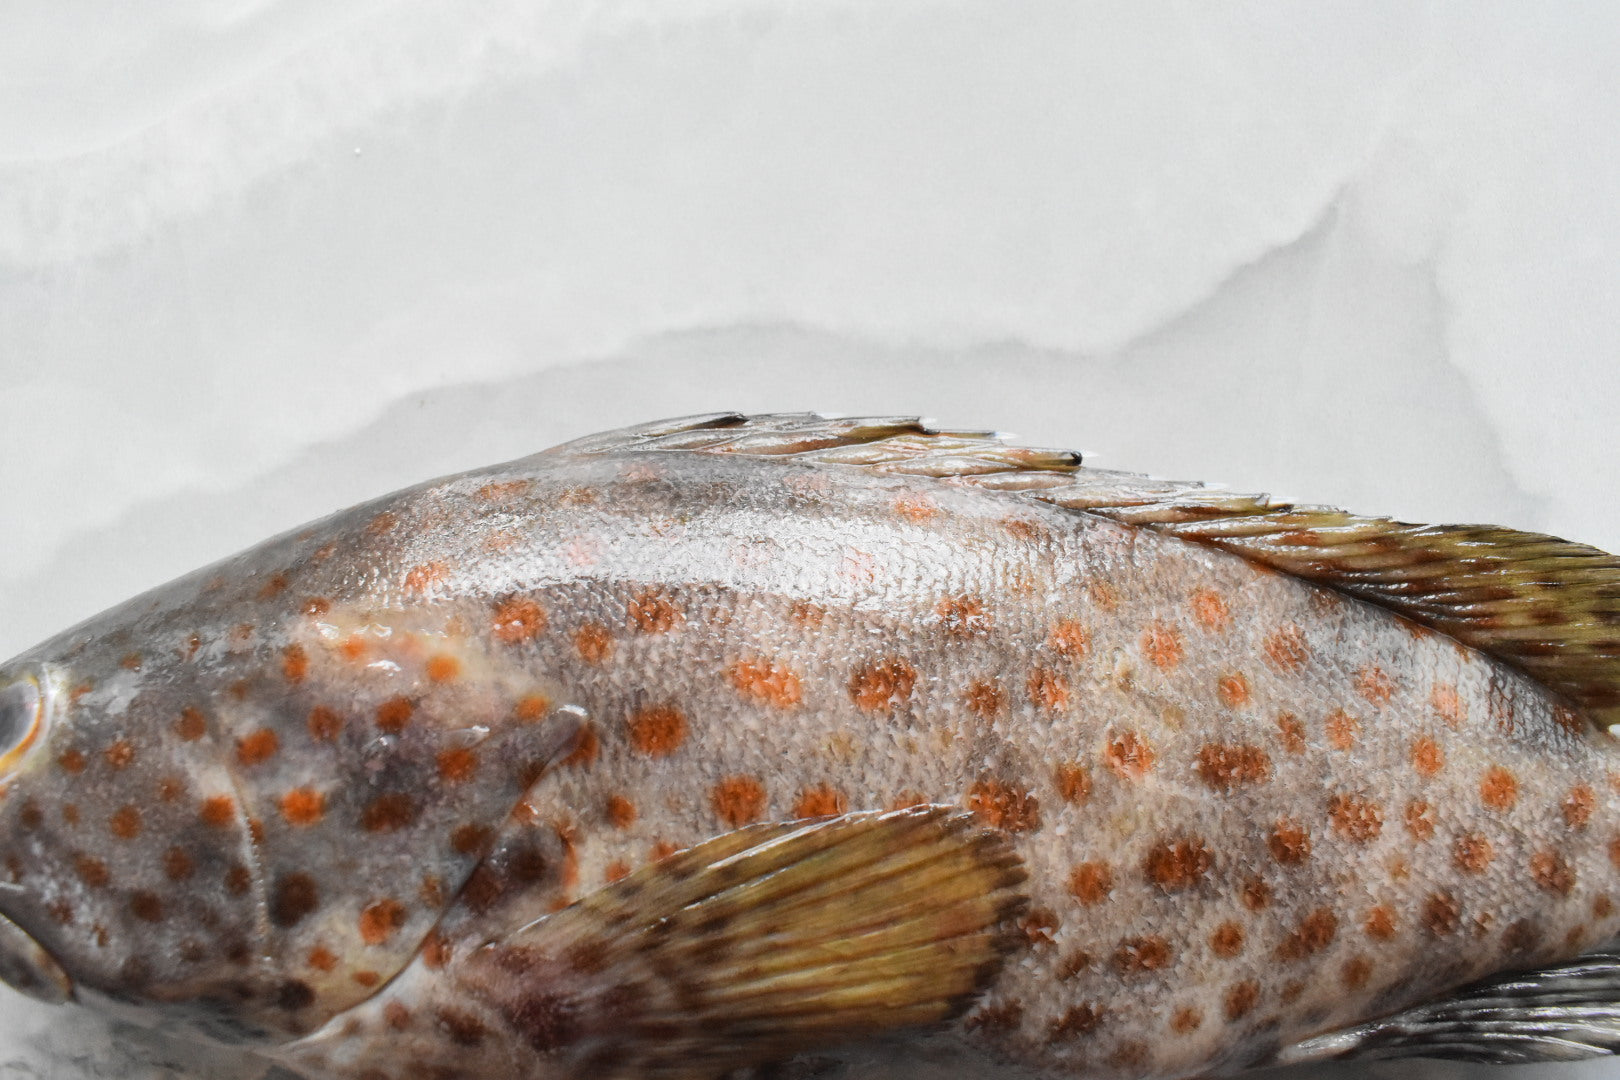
262 258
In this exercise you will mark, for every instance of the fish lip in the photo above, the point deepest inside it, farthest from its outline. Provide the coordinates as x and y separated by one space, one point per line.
28 967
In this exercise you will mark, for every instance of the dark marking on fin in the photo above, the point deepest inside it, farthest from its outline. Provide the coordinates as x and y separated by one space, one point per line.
1546 606
1566 1012
762 943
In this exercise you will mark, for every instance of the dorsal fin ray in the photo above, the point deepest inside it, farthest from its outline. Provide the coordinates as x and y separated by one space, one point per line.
1546 606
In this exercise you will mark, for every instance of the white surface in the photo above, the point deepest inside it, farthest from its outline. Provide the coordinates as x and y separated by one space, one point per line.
261 259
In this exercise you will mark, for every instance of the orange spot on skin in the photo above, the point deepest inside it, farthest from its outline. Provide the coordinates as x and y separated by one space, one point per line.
653 613
1129 756
1225 768
1472 853
962 616
1287 649
1441 913
191 726
738 800
616 871
1290 843
1048 689
1427 757
1357 970
1256 894
1419 819
1499 788
322 959
132 662
620 812
1552 872
1004 806
1356 819
382 523
986 699
593 643
1227 940
380 921
1447 705
1380 923
1104 595
502 490
367 979
519 619
457 765
657 730
883 685
126 823
916 508
761 680
1142 954
1342 729
1291 732
72 762
443 668
1069 640
92 871
303 806
1210 610
823 800
315 607
419 579
1375 684
1161 644
388 813
1241 999
1233 690
218 811
586 750
1186 1020
257 748
1073 783
120 754
354 648
1614 852
1578 805
1091 882
394 714
1314 933
1177 865
907 799
324 724
294 663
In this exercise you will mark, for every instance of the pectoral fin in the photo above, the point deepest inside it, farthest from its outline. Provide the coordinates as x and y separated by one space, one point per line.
760 944
1565 1012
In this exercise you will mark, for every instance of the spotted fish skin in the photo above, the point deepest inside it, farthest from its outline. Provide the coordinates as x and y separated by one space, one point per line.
1251 808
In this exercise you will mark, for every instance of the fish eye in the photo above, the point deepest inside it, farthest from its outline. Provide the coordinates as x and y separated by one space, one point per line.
21 709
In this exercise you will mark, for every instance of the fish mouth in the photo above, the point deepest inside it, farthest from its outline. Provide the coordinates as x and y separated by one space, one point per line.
27 968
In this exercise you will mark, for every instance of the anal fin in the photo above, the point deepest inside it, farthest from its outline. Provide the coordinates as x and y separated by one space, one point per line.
758 945
1565 1012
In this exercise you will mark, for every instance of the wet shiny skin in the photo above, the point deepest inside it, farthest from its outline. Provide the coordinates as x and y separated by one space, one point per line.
1251 809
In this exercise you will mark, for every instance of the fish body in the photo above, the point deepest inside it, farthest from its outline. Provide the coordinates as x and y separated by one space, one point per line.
357 798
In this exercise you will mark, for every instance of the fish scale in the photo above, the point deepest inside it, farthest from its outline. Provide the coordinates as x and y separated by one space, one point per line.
1251 798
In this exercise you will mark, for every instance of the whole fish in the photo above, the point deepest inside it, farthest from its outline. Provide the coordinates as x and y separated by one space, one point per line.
689 748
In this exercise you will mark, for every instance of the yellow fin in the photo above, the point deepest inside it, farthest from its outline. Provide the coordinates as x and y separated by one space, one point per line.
760 944
1546 606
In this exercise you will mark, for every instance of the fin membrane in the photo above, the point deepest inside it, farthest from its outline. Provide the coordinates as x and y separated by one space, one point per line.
1562 1013
1548 607
759 944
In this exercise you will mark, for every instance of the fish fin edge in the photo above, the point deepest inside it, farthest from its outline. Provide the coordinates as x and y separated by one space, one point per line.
761 944
1566 1012
1543 605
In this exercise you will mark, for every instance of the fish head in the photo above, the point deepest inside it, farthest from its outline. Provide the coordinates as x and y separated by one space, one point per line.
238 805
128 871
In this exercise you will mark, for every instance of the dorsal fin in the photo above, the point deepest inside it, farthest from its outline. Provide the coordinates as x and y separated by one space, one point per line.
1548 607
